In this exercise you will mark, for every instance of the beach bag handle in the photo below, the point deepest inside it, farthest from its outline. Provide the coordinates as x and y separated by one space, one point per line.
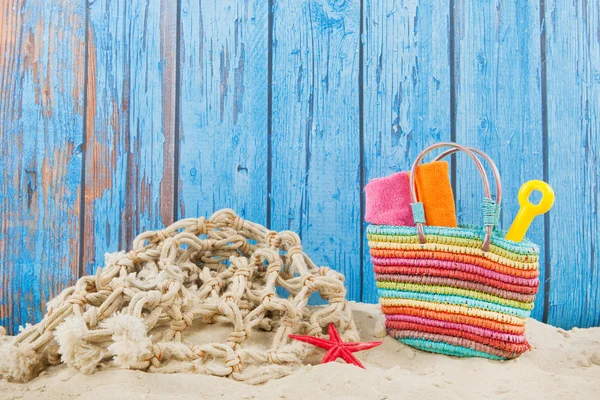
486 158
491 208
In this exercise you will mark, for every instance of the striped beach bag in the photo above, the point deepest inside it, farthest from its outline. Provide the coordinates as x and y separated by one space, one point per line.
463 291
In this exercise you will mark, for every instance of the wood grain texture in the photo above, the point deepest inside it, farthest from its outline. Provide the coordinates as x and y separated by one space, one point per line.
573 102
316 135
130 131
342 112
498 106
41 131
406 90
224 113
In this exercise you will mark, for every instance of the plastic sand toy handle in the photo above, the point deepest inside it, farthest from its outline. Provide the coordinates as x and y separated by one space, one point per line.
528 210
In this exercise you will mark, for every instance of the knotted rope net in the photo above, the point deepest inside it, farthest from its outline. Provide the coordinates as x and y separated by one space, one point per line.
136 310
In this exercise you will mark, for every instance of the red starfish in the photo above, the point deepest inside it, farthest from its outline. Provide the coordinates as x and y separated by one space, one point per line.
336 348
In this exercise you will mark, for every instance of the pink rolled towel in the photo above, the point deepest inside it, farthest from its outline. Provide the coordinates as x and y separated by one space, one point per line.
387 201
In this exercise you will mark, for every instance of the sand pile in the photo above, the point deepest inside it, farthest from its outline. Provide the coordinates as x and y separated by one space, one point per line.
562 365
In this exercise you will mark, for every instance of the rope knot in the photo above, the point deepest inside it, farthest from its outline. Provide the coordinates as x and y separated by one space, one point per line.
112 259
178 325
201 226
294 250
212 282
91 317
273 357
245 247
233 361
118 284
272 238
77 298
188 317
157 355
310 283
243 271
175 272
238 223
162 235
290 322
132 256
338 297
274 266
237 337
314 329
266 299
53 358
153 299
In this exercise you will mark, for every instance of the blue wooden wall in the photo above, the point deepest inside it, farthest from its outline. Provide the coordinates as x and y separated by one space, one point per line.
118 116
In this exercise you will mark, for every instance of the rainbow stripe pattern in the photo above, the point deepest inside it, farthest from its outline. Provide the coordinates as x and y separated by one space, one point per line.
449 296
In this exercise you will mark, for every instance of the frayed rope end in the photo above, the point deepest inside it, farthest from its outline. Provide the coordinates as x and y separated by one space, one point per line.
75 350
130 337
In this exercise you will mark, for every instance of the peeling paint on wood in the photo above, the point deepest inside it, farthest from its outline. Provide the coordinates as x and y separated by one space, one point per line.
130 123
316 137
344 109
498 106
224 113
41 130
406 91
573 90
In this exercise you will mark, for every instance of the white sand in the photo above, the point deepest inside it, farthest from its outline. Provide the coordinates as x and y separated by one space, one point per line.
562 365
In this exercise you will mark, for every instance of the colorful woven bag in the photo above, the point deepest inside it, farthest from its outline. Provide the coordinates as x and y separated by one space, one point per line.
462 291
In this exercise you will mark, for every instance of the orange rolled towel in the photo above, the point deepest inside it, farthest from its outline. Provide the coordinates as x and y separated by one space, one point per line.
435 192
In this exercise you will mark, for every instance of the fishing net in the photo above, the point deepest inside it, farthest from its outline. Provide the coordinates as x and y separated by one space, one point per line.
137 310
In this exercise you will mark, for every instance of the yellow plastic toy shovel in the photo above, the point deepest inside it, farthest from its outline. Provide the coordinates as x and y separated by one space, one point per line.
528 210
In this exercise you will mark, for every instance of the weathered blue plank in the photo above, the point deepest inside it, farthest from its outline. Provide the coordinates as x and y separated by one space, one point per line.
316 138
130 123
406 90
498 106
130 144
224 139
41 125
573 104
